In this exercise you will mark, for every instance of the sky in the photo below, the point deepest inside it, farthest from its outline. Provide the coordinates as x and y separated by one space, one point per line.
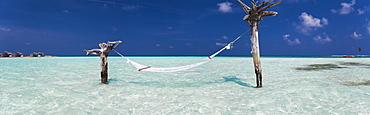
183 27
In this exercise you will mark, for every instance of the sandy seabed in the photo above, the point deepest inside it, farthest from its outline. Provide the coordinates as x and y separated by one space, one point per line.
71 85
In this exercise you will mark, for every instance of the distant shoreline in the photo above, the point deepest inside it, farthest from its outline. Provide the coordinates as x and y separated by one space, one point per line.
33 57
350 55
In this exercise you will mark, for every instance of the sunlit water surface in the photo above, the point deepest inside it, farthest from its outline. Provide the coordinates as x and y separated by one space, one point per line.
71 85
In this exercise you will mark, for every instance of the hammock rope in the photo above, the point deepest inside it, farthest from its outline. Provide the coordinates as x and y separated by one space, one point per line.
141 67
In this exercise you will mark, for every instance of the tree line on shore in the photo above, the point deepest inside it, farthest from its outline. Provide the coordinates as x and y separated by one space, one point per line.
19 54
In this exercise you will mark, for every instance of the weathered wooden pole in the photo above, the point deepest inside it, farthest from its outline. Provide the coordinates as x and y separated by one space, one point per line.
253 18
105 48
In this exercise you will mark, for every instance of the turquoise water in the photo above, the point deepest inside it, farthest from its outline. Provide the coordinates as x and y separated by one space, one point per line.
71 85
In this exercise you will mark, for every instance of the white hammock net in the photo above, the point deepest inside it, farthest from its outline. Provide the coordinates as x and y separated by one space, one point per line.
141 67
171 69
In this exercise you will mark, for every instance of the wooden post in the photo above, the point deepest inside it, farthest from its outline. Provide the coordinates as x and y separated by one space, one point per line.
256 53
104 50
104 68
253 18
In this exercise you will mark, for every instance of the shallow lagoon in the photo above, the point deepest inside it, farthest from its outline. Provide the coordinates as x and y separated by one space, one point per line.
71 85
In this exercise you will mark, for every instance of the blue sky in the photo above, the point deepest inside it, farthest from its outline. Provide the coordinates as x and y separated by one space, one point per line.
183 27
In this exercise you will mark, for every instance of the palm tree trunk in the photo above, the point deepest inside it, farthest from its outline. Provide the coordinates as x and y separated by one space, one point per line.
105 48
256 53
104 68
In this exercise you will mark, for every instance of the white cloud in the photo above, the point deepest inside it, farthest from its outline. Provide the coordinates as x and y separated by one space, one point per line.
292 1
224 44
66 11
4 29
114 28
290 42
346 8
322 40
264 0
123 6
356 36
170 28
368 27
360 11
333 11
129 7
309 23
221 44
363 10
225 7
157 45
299 1
224 37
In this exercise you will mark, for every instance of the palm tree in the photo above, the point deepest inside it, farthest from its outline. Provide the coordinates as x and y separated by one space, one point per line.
105 48
255 14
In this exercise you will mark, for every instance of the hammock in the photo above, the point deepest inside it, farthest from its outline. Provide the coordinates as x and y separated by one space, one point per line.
141 67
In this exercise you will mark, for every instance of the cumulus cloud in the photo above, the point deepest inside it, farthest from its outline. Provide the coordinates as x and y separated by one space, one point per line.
322 40
346 8
356 36
225 7
360 11
363 10
290 42
4 29
309 23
